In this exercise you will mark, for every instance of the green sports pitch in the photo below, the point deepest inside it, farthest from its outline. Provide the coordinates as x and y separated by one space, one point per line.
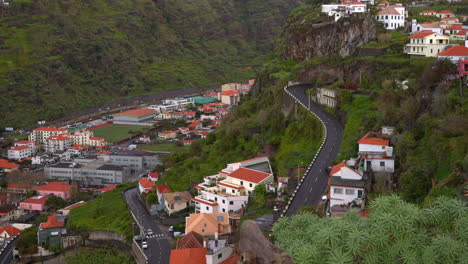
117 133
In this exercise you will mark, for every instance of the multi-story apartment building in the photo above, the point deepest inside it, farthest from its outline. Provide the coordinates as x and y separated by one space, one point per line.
57 143
42 133
19 152
392 17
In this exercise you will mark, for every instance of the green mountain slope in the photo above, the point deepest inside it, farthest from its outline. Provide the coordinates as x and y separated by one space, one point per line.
61 56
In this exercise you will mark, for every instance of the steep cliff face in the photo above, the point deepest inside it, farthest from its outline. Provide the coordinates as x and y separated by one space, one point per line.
307 39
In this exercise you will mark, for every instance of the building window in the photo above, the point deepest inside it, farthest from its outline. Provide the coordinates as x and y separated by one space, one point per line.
349 191
224 201
250 185
338 190
359 193
382 163
241 182
216 199
220 255
233 191
207 208
224 210
231 202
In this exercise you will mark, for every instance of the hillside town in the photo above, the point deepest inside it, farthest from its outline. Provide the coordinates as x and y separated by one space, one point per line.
136 174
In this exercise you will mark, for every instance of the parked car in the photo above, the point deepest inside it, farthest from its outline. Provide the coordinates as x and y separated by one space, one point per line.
149 232
144 245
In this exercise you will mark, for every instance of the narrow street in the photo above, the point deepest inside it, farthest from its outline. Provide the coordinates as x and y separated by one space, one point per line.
315 182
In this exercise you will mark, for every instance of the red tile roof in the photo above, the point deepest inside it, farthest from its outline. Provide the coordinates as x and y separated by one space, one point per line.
164 188
194 124
108 188
18 148
137 112
455 27
188 256
8 165
384 3
422 34
104 152
204 202
455 51
145 183
428 12
337 167
462 32
450 19
230 186
19 186
23 142
230 92
52 222
191 240
56 186
367 139
445 12
153 174
58 138
79 147
249 175
389 11
233 259
36 200
50 129
11 230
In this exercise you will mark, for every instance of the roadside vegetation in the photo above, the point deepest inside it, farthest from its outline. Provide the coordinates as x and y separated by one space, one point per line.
100 255
108 212
394 232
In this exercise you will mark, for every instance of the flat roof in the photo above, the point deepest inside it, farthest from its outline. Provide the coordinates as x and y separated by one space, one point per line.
65 165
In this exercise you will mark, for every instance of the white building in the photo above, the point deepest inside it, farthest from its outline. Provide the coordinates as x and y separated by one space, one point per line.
455 53
377 153
346 185
432 26
392 17
229 190
327 97
344 9
19 152
42 133
426 44
58 143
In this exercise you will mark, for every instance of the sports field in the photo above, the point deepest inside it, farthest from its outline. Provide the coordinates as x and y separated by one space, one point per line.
117 133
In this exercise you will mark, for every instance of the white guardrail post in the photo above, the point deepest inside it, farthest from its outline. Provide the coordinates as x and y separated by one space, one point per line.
316 154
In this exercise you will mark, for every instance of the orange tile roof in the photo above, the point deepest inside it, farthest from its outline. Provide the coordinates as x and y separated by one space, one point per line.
104 152
164 188
137 112
230 186
18 148
11 230
445 12
153 174
8 165
19 186
337 167
367 139
188 256
36 200
108 188
233 259
455 27
191 240
50 129
389 11
430 25
203 201
207 223
449 19
79 147
455 51
249 175
52 222
145 183
56 186
462 32
230 92
422 34
58 138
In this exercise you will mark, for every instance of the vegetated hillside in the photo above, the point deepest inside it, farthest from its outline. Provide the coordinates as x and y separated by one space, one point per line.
428 109
61 56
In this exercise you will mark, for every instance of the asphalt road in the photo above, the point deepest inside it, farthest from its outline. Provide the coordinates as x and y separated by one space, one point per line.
315 182
6 256
159 249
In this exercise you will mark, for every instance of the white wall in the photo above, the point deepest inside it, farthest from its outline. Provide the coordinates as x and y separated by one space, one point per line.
389 165
337 198
225 253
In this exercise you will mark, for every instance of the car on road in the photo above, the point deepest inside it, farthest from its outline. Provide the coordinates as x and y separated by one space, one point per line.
144 245
149 232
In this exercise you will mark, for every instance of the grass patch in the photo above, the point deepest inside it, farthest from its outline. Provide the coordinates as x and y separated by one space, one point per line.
18 137
108 213
169 147
117 133
110 255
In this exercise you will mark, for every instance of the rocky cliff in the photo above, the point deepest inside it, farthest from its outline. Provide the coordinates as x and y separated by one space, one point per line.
308 37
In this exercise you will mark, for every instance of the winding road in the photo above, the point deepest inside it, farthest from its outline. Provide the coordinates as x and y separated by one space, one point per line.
159 249
314 183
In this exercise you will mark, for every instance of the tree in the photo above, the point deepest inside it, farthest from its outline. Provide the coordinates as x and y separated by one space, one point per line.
394 232
259 194
27 242
56 202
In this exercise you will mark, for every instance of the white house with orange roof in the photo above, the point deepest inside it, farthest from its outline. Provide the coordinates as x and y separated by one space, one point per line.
33 145
455 53
428 13
445 13
229 190
426 44
376 152
145 185
19 152
346 184
230 97
42 133
392 17
345 8
432 26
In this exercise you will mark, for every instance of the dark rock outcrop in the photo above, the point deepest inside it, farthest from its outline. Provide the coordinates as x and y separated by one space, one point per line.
344 37
254 248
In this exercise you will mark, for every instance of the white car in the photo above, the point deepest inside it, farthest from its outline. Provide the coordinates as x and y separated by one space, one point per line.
144 245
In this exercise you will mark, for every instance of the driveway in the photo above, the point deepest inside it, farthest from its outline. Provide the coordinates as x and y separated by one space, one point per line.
159 249
315 182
